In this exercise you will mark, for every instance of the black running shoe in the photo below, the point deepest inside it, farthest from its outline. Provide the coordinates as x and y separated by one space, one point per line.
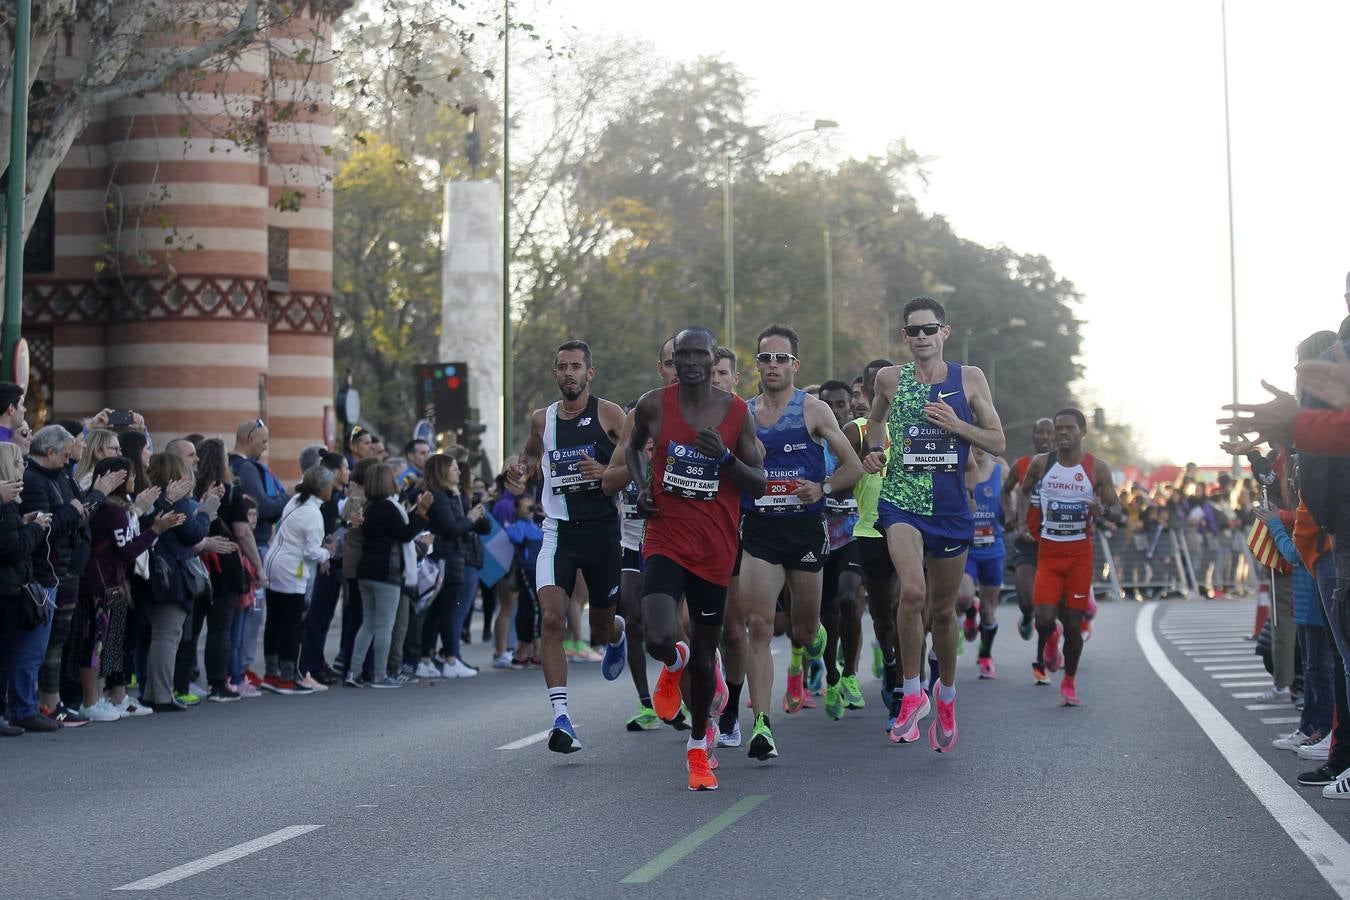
1025 625
1322 775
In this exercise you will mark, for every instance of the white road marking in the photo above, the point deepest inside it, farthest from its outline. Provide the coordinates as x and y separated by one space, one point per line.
238 851
1265 706
1246 664
1248 695
1229 673
1281 720
526 741
1212 642
1325 848
1202 653
1233 684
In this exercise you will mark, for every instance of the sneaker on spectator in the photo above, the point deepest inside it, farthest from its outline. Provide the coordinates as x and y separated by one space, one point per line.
223 694
252 678
39 723
386 682
1322 775
502 661
1339 789
1277 695
1292 741
456 668
198 691
101 711
311 683
1319 750
327 676
405 677
63 715
188 699
244 689
427 670
353 680
132 708
276 685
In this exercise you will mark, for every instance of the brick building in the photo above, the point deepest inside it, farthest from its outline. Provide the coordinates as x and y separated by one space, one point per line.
168 272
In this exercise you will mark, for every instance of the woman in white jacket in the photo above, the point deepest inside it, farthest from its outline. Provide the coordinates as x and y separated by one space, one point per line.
297 547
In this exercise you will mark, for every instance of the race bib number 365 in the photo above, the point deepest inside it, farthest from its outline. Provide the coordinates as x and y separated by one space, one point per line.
927 448
564 474
689 473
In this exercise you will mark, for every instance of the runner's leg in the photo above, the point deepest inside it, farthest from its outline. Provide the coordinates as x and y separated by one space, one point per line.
759 585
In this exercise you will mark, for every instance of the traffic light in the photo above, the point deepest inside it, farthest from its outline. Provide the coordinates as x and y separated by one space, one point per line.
471 436
444 389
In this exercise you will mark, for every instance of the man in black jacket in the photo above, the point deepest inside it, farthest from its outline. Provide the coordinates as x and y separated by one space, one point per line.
49 488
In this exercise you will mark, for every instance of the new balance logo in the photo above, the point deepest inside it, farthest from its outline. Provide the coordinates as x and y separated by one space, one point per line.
810 557
586 421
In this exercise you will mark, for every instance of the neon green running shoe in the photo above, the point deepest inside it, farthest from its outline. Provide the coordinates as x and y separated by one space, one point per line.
762 746
878 661
960 643
817 648
851 692
645 720
683 719
187 699
834 702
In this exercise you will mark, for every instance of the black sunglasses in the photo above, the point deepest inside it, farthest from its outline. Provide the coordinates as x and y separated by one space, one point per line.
781 358
930 328
257 423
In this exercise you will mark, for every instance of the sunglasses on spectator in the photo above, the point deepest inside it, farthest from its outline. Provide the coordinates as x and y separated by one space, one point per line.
930 328
781 358
257 423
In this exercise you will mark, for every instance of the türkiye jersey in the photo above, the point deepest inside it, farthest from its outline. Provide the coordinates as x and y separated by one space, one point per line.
791 456
988 542
1066 494
925 473
568 494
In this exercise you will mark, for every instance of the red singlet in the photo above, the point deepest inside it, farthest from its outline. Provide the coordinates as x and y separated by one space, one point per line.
698 510
1033 501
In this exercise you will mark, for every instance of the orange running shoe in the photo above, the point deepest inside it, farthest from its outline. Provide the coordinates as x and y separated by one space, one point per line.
701 777
666 698
1039 673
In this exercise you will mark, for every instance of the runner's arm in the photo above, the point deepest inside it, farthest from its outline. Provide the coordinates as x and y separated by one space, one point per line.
1035 469
884 389
527 460
822 424
746 466
1106 491
853 434
986 432
616 474
646 418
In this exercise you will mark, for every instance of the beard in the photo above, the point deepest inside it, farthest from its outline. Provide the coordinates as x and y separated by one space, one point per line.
571 393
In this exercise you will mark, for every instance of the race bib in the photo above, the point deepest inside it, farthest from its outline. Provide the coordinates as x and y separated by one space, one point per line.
778 492
927 448
563 471
689 473
842 504
629 505
1066 518
984 536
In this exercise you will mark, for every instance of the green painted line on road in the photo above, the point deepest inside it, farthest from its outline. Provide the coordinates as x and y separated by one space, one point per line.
692 841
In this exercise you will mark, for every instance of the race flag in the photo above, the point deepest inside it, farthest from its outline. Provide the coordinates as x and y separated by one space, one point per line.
498 554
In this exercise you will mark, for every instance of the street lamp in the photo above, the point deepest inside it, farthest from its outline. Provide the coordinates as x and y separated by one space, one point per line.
992 372
988 332
728 228
829 284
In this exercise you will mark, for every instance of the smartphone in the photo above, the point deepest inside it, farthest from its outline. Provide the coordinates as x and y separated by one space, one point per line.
120 418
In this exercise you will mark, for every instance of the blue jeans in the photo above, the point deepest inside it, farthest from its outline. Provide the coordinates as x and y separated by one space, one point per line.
322 605
23 651
1325 574
468 589
1318 667
238 625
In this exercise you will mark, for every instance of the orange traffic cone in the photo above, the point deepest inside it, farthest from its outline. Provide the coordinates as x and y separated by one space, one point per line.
1262 608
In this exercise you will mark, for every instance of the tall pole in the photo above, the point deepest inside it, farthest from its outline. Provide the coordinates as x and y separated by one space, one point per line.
729 259
18 178
1232 244
829 308
508 364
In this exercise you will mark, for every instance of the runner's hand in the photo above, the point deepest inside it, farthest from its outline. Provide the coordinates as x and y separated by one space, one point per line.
646 504
808 491
515 477
709 443
874 462
590 468
942 415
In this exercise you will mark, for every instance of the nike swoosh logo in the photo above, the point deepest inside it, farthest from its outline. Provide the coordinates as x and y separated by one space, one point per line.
951 549
705 613
942 396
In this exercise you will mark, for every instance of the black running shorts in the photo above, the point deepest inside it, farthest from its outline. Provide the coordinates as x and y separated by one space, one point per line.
875 557
707 601
795 542
591 548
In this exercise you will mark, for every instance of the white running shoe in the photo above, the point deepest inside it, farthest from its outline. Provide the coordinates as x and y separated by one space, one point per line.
427 670
456 669
1319 750
1278 695
1338 789
1291 741
102 711
131 708
309 682
502 662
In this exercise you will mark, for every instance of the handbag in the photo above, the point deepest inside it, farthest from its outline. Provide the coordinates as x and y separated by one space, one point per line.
113 597
35 610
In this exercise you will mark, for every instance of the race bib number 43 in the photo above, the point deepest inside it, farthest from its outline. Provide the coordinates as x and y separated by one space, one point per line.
564 474
689 473
927 448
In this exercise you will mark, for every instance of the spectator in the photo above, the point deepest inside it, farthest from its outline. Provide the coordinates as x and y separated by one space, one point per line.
76 429
377 448
387 565
185 450
359 442
449 525
117 542
310 456
258 482
226 571
528 539
22 437
353 514
504 511
99 445
136 448
26 577
297 547
11 409
415 454
326 588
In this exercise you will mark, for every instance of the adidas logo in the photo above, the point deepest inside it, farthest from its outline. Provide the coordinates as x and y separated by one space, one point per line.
810 557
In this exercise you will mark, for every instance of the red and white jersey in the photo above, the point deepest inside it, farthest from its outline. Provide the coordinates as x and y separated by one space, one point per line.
1066 493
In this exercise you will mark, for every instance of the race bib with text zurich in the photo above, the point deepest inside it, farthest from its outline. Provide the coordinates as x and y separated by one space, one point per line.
630 495
564 473
689 473
928 448
984 535
778 491
1065 518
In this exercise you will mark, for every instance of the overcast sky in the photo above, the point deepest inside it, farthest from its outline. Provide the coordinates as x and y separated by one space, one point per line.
1091 133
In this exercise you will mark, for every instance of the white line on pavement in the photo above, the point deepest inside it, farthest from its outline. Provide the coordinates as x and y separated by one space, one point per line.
1281 720
1205 651
1212 642
1241 673
1264 706
1233 684
238 851
1248 695
1325 848
526 741
1252 664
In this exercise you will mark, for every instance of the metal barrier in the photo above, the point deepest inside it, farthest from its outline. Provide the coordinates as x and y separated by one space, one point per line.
1144 564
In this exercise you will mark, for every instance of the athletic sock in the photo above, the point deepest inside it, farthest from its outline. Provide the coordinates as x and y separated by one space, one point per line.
681 656
987 633
645 700
558 697
946 692
618 629
911 686
700 744
795 665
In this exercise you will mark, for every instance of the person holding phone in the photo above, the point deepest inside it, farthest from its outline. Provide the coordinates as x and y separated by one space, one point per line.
22 551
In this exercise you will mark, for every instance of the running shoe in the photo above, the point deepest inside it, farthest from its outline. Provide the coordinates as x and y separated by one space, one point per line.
563 738
986 665
815 677
188 699
1292 741
729 737
720 692
711 734
63 715
1278 695
1025 626
681 720
276 685
245 689
314 684
912 709
1053 658
1067 691
971 627
1323 774
816 649
1039 673
794 696
353 680
133 708
427 670
851 692
701 777
762 746
666 697
1318 751
645 720
222 694
386 683
100 711
834 703
501 661
303 686
611 665
878 660
252 678
942 733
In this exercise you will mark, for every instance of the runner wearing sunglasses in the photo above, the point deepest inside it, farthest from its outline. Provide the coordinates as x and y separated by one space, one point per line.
783 537
932 411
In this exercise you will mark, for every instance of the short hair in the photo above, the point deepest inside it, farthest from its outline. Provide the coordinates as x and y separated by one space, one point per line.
699 329
660 354
245 430
724 353
1077 416
332 461
74 426
362 469
168 448
49 438
779 330
411 447
928 303
313 481
834 384
166 468
379 482
574 344
309 457
858 379
876 365
10 394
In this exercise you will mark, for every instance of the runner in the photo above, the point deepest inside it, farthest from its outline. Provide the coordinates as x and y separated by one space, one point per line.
860 406
933 411
984 565
577 436
783 536
840 609
666 363
1075 487
690 544
1024 547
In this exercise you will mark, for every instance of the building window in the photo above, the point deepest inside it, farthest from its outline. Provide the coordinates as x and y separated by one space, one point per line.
278 260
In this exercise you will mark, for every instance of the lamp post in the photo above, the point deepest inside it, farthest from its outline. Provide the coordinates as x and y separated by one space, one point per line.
18 175
728 226
992 372
829 286
508 364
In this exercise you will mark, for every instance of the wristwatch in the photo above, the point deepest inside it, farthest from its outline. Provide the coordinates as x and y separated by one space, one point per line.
826 489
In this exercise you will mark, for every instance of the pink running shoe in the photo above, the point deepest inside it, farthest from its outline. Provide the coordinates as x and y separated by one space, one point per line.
809 701
720 692
795 695
1053 658
1067 691
912 709
942 733
986 668
711 735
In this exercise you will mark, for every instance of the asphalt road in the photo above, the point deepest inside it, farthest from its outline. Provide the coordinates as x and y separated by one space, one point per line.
1125 796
